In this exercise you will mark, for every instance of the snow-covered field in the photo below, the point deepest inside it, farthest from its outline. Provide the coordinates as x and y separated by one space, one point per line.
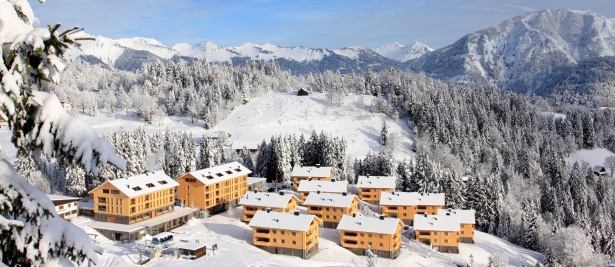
235 249
594 156
273 114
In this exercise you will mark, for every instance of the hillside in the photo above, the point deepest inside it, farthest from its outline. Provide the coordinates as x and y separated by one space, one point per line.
402 53
539 52
273 114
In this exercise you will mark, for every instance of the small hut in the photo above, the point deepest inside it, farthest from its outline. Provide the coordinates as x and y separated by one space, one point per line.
192 250
302 92
599 170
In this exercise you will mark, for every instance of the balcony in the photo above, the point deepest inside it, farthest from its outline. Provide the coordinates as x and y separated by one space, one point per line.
262 231
261 241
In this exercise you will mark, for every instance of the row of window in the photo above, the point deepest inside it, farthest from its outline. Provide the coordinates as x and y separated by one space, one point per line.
363 234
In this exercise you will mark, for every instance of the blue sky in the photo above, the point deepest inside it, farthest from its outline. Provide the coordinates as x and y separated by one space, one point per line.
311 23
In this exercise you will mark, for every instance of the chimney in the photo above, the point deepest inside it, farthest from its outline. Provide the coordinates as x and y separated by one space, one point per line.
255 191
333 180
268 210
448 214
382 217
344 194
296 213
354 215
317 165
310 179
318 192
281 193
367 176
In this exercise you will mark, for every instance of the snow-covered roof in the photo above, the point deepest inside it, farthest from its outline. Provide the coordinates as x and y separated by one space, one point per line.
424 222
220 173
311 171
266 199
143 184
323 186
247 145
329 200
381 225
190 245
465 216
599 168
253 180
60 197
411 199
376 182
283 220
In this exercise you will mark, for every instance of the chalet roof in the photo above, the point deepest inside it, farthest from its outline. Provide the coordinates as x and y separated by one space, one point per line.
60 197
376 182
190 245
283 220
323 186
311 171
411 199
220 173
253 180
142 184
265 199
426 222
465 216
330 200
248 145
599 169
382 225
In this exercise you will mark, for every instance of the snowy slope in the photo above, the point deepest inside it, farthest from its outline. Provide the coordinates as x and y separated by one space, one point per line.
273 114
528 53
594 156
399 52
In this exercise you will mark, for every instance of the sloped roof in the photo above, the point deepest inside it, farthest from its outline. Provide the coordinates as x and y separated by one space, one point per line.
282 220
190 245
329 200
323 186
219 173
253 180
142 184
376 182
60 197
465 216
265 199
311 171
411 199
437 223
369 224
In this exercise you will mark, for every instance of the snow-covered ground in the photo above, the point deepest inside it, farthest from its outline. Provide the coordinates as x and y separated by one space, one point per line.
235 249
273 114
594 156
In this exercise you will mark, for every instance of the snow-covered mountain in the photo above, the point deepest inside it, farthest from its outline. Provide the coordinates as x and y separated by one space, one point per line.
131 53
535 52
399 52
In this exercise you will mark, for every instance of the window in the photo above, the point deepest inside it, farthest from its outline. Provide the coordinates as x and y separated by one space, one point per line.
445 240
149 185
229 172
102 208
162 182
133 201
102 200
275 232
115 192
283 241
369 243
209 177
369 235
381 245
219 174
275 240
294 233
61 207
445 233
105 191
462 232
282 233
294 242
136 188
381 236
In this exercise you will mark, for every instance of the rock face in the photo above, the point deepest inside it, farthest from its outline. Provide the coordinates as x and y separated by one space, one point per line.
533 53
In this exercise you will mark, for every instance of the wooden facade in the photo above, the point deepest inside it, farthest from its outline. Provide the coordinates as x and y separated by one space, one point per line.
315 173
439 231
213 188
330 207
381 235
332 186
404 205
285 233
255 201
467 221
134 199
371 187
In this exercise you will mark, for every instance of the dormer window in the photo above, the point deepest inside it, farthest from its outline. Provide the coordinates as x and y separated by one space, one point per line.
219 174
136 188
149 185
229 172
162 182
237 170
209 177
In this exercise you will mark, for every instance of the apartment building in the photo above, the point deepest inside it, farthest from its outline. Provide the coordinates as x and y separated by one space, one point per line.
439 231
255 201
66 207
310 172
214 187
381 235
404 205
466 219
371 187
330 207
284 233
332 186
133 199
